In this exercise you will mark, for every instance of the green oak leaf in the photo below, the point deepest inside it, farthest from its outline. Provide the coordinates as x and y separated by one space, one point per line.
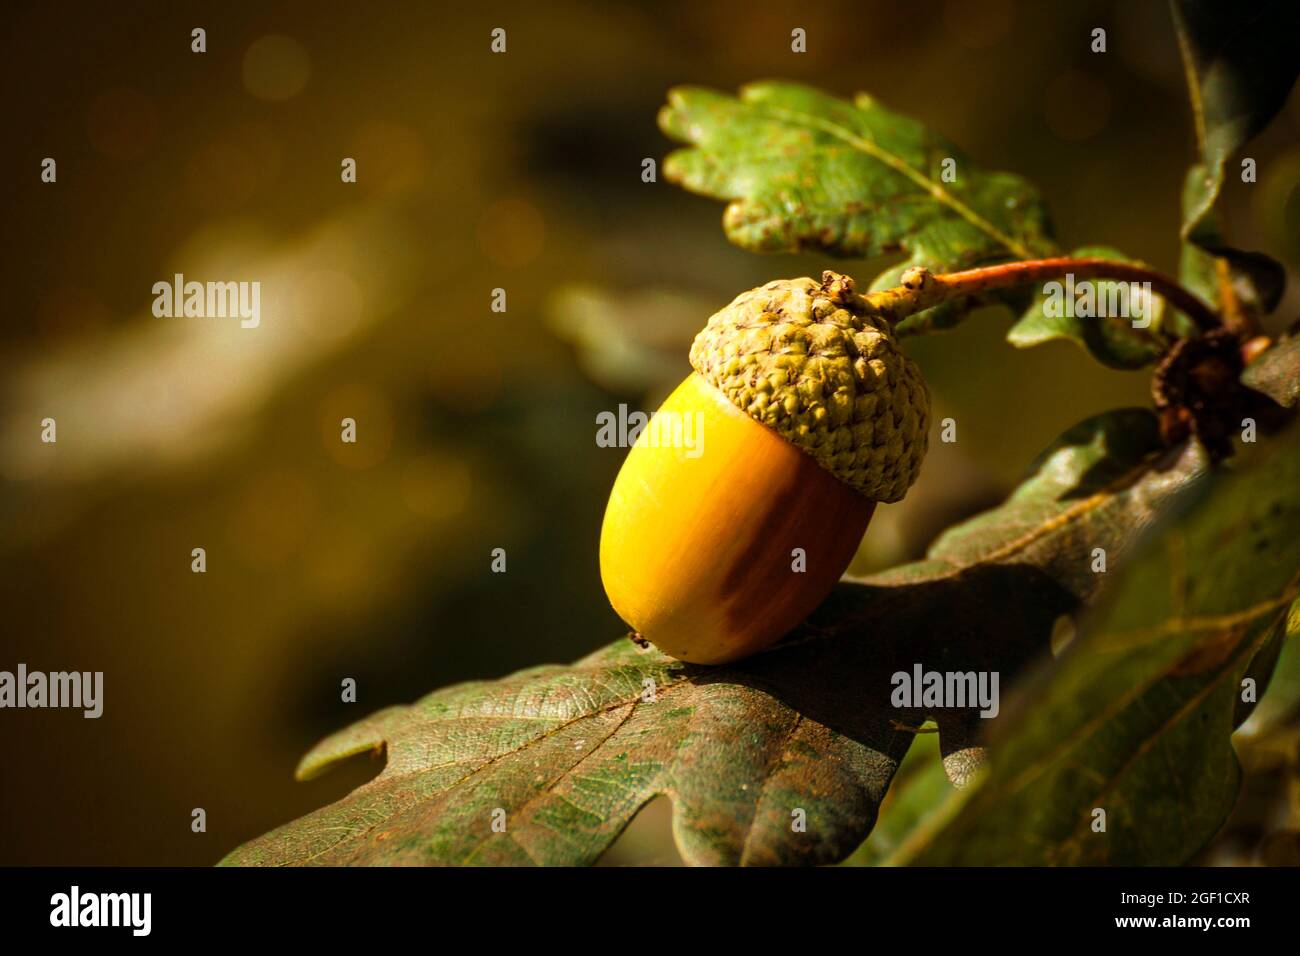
1281 705
1276 373
915 803
1112 340
805 171
1241 63
805 729
1136 717
1203 274
1219 273
802 170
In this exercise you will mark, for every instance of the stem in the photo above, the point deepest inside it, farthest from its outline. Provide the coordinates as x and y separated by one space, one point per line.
922 289
1235 315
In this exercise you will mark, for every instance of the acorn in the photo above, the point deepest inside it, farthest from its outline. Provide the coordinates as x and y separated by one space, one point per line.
744 499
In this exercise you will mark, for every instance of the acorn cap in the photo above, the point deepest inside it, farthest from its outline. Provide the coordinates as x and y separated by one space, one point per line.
820 366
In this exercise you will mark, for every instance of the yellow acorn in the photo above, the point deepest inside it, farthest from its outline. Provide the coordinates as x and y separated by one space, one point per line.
744 499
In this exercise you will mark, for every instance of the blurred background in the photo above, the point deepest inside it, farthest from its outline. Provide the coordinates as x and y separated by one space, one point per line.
475 429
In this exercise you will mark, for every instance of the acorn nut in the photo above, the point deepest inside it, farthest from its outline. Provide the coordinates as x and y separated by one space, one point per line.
744 499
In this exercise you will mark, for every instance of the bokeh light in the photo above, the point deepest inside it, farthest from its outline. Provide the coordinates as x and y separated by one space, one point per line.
276 68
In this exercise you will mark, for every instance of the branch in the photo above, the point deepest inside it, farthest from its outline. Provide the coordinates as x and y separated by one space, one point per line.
922 289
